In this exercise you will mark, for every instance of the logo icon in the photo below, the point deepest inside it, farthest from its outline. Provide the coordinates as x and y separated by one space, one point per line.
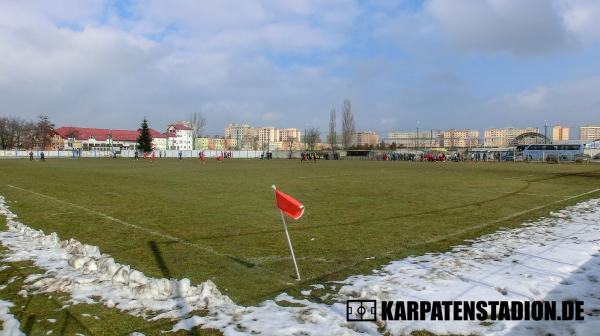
361 310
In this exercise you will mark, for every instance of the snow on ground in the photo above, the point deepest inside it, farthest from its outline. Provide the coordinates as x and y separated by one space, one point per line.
10 326
86 273
554 258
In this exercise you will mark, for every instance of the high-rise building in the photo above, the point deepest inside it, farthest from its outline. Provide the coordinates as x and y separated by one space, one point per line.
267 137
290 135
244 136
589 133
454 138
242 133
367 138
560 133
502 137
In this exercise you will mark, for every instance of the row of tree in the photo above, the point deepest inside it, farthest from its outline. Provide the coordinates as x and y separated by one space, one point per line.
313 135
17 133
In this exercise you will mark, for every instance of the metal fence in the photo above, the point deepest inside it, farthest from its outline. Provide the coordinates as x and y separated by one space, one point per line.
234 154
249 154
241 154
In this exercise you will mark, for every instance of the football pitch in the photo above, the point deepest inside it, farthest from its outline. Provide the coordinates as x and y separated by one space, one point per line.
218 220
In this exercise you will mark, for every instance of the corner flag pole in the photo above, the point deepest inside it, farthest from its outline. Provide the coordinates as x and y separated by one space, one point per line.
287 235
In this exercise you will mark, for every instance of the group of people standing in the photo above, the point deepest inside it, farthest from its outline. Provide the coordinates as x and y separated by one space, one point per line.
201 155
42 156
136 155
479 156
308 156
441 156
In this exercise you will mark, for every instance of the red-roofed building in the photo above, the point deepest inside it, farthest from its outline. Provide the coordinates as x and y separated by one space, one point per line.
180 137
106 139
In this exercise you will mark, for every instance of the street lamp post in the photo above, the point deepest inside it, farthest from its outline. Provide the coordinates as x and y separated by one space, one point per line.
305 142
110 141
417 137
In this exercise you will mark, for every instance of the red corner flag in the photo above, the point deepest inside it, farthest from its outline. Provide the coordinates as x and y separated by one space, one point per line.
288 204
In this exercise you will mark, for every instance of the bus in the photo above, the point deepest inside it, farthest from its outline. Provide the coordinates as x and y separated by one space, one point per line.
553 153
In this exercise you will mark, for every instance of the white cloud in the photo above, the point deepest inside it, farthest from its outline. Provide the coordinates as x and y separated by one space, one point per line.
211 57
582 18
532 100
573 102
507 26
227 24
282 62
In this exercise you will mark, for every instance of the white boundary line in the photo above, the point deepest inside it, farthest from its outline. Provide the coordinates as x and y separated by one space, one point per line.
543 195
517 177
475 227
207 249
325 176
505 218
149 231
103 215
534 194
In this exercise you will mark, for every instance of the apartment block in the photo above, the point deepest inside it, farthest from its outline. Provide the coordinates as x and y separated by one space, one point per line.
454 138
560 133
589 133
242 133
411 139
288 135
367 138
502 137
244 136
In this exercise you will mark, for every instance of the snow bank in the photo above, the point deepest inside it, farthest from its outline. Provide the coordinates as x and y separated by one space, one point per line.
10 326
88 274
555 258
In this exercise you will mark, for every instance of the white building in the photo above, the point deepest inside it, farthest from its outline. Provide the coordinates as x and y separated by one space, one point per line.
159 141
180 137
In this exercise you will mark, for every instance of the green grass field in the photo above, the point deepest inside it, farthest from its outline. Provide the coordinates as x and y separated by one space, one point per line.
218 221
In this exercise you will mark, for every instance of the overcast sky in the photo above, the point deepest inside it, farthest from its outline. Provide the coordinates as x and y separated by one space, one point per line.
286 63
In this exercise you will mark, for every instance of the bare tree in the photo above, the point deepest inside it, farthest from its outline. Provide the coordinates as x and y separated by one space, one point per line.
197 123
290 143
331 137
313 136
4 133
247 140
348 127
16 133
